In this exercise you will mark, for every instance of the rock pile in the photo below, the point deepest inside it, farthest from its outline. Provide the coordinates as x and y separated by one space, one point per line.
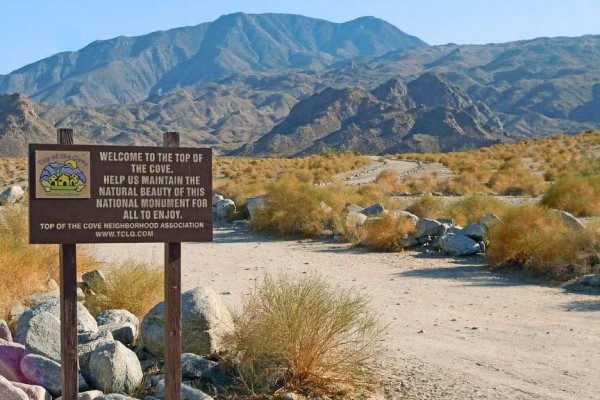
118 355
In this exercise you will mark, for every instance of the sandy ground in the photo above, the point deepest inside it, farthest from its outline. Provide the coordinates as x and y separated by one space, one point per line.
456 330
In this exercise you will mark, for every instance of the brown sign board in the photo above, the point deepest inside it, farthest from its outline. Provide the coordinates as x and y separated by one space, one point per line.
119 194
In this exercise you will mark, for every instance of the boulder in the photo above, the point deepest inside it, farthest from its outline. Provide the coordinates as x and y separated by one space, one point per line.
373 210
41 335
123 332
89 395
5 331
96 281
9 392
85 321
355 220
254 205
117 316
11 355
405 214
33 392
187 392
11 194
205 320
85 350
216 198
570 220
225 209
477 232
488 220
430 227
449 222
590 280
114 368
352 208
458 245
44 372
409 241
194 366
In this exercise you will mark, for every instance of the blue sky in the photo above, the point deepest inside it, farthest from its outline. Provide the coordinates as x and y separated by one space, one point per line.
34 29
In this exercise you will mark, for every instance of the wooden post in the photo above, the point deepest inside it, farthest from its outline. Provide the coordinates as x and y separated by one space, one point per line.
172 305
68 306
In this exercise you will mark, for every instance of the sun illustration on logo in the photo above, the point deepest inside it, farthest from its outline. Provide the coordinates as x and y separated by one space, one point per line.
63 176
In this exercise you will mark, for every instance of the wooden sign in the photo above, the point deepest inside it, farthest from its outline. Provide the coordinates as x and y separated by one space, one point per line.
117 194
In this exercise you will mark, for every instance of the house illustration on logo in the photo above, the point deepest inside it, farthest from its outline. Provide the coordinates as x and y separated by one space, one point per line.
63 176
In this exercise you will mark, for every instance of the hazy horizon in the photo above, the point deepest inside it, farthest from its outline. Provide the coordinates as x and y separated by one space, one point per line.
32 30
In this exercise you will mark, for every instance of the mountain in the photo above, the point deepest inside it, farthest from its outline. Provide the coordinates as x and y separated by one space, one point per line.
427 114
129 69
20 125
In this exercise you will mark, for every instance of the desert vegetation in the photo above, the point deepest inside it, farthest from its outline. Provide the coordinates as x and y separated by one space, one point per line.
12 170
304 335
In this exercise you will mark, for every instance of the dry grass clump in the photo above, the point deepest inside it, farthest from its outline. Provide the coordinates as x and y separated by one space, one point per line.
133 286
538 241
579 196
470 209
427 206
305 335
295 207
386 233
26 268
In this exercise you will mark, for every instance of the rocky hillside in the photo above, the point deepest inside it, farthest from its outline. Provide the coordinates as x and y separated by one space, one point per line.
427 114
128 69
20 125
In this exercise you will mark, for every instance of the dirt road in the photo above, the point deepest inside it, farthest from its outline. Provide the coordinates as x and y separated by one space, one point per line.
456 331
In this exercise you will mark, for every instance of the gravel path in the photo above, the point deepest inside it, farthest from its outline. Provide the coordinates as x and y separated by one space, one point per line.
456 330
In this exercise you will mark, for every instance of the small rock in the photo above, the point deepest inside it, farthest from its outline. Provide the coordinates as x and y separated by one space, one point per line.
225 209
44 372
430 227
458 245
590 280
123 332
89 395
194 366
9 392
116 317
205 320
80 294
96 281
5 331
373 210
352 208
216 198
33 392
254 205
488 220
187 392
355 220
11 194
115 368
405 214
11 355
477 232
570 220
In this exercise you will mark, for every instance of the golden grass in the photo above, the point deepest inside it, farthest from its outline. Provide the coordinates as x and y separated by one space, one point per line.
12 170
386 233
470 209
578 195
134 286
538 241
427 206
26 268
305 335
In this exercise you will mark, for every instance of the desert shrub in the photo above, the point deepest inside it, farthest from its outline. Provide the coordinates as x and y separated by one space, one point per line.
295 207
134 286
305 335
26 268
427 206
471 208
579 196
386 233
538 241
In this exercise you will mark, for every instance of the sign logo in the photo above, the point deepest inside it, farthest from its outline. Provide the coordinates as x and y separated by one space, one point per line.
62 174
